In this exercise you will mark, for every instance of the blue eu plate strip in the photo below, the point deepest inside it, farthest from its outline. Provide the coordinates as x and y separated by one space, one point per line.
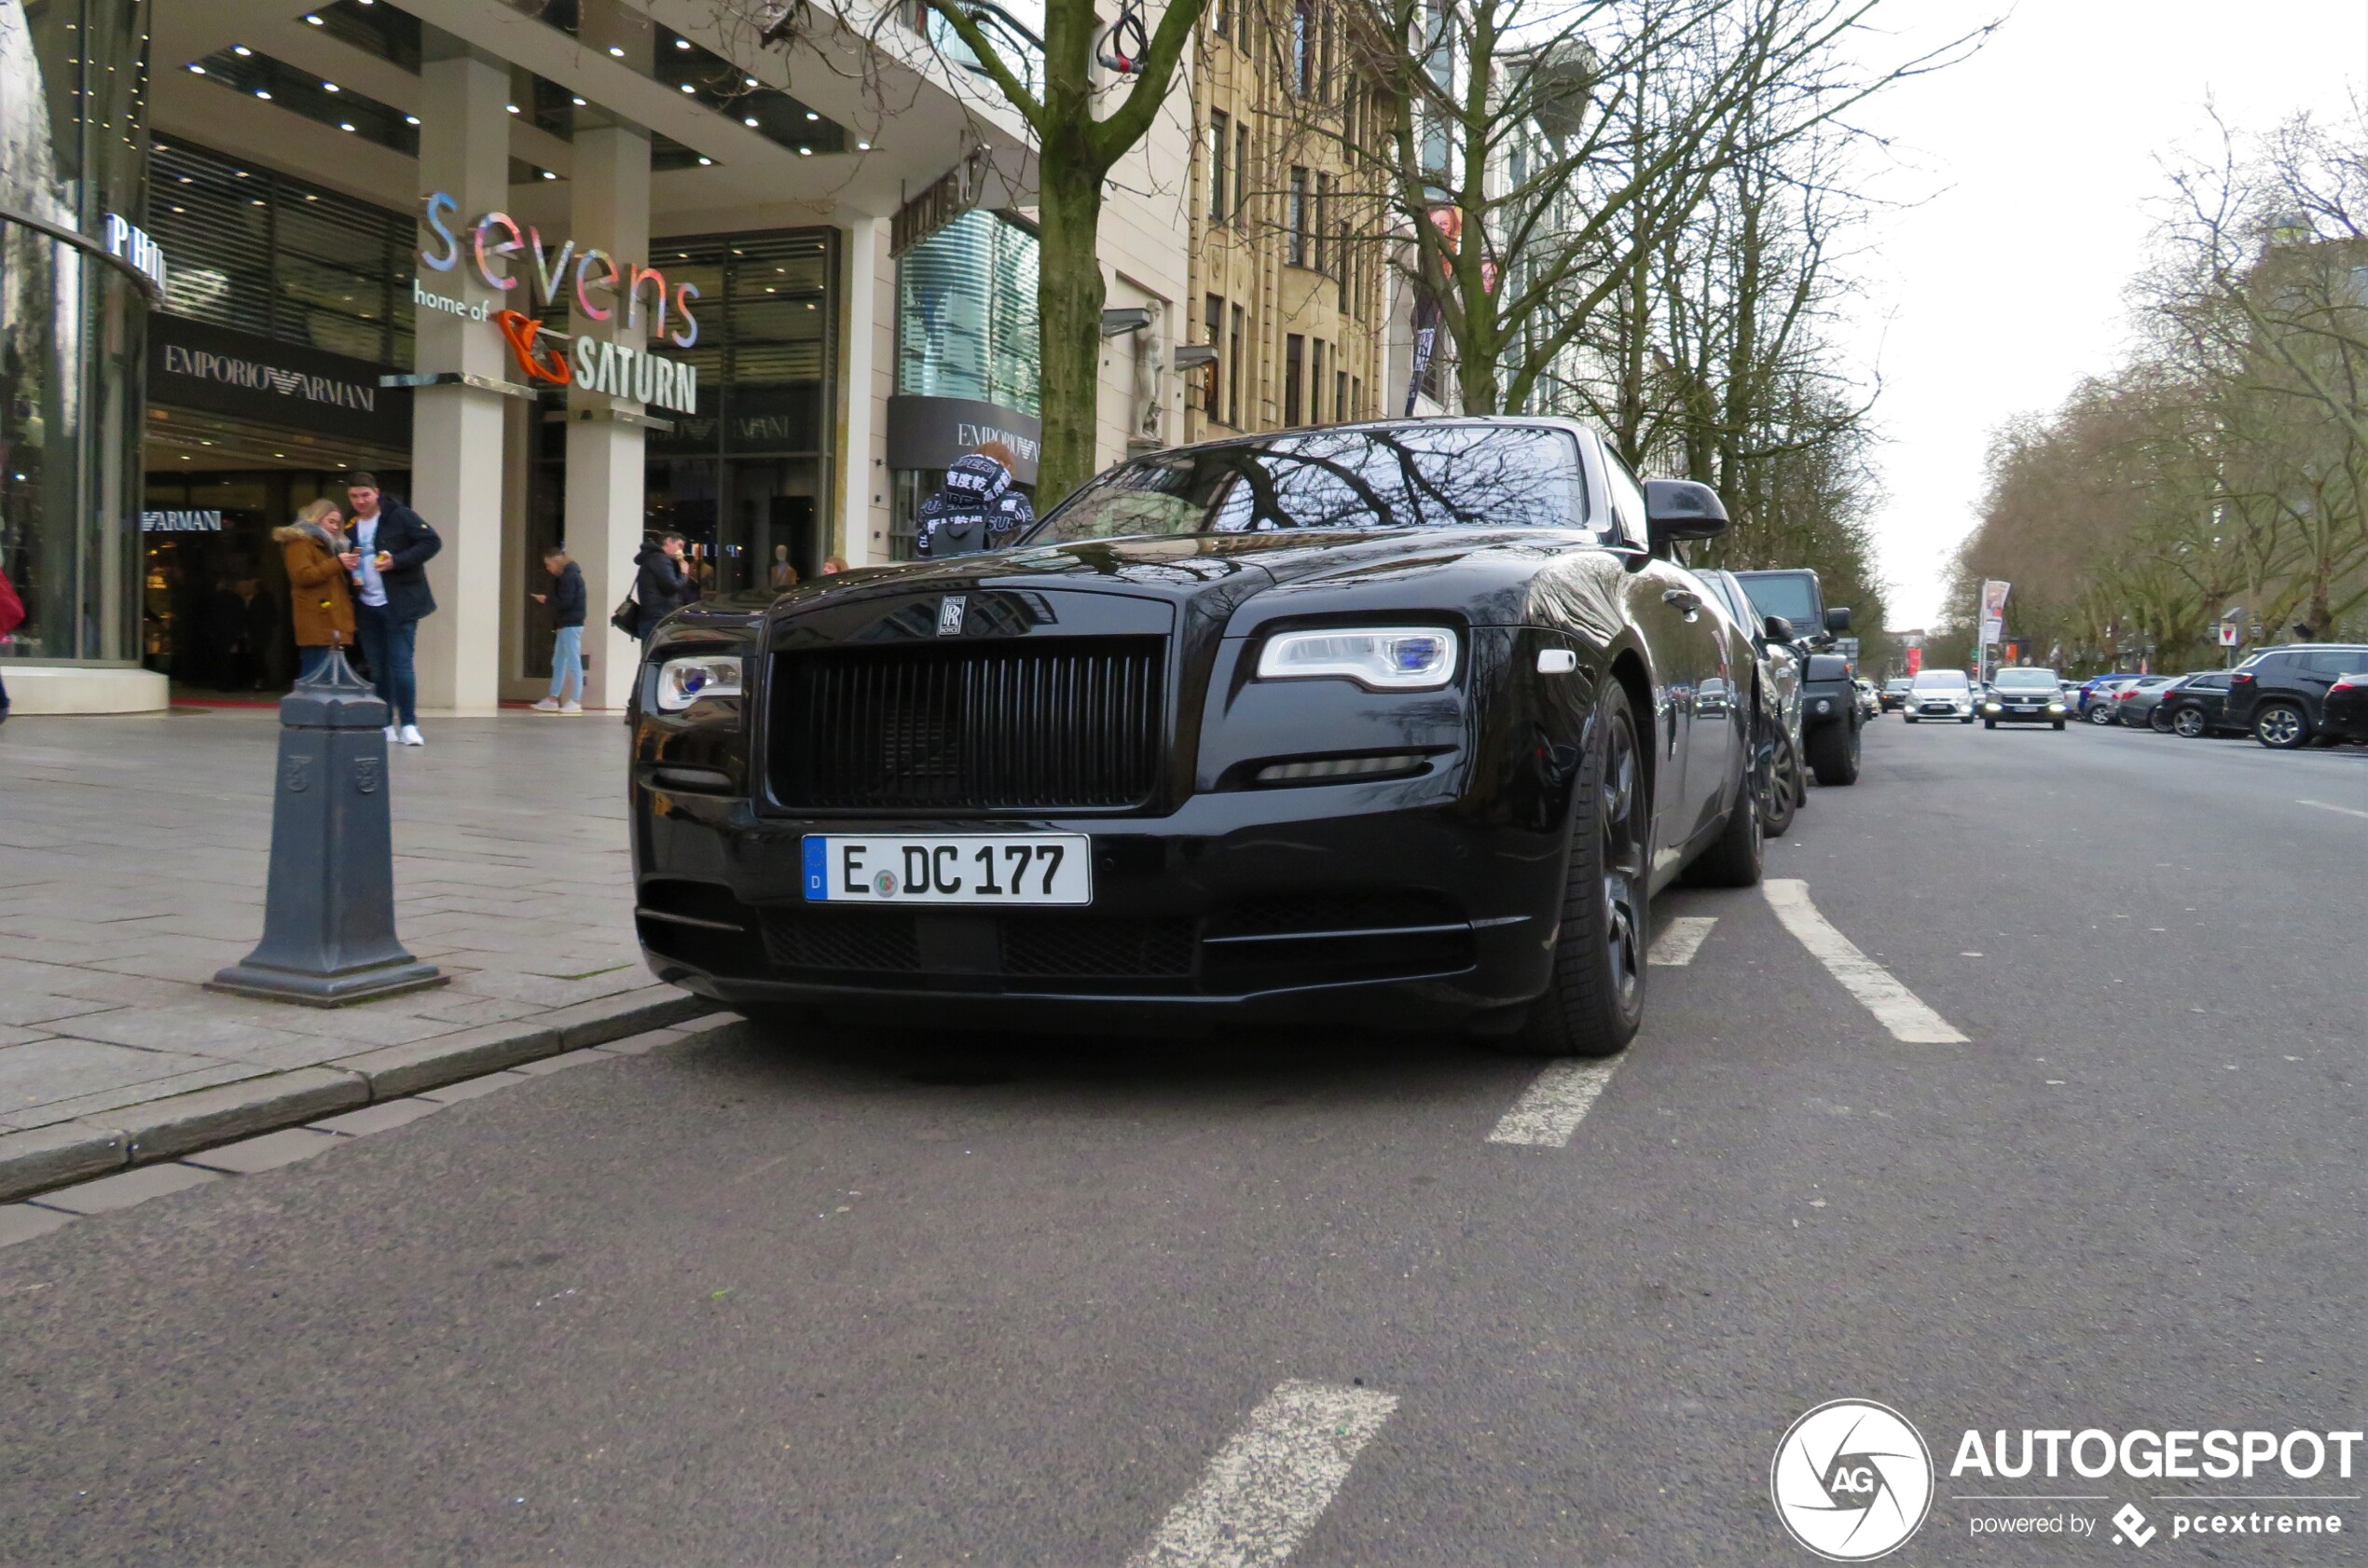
816 872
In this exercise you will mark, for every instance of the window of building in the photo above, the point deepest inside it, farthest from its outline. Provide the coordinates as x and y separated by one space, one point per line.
1294 362
1233 382
1357 397
1324 54
1340 259
1339 396
1221 18
966 314
1220 136
1323 222
1304 47
1315 381
1295 220
1240 172
1215 321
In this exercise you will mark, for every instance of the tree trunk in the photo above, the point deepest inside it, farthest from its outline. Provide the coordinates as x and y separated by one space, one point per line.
1069 302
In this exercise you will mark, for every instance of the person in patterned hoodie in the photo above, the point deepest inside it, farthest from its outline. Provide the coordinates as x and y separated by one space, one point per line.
977 508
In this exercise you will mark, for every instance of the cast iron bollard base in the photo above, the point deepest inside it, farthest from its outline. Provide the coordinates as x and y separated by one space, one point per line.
328 914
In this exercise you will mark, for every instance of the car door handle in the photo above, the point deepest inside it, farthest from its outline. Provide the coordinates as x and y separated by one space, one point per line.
1684 598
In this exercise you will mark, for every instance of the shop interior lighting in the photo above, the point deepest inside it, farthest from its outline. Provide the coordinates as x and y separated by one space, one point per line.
410 119
616 50
749 120
577 102
345 125
811 115
864 146
704 161
512 107
328 87
241 50
682 43
689 87
197 68
315 21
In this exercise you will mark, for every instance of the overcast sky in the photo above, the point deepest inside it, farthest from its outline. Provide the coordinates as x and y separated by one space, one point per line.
2007 287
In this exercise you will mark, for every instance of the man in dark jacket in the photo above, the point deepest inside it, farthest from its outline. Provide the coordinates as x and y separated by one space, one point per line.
388 560
661 586
566 603
977 508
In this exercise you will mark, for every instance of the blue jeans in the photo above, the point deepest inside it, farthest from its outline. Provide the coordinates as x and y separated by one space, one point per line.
388 644
567 661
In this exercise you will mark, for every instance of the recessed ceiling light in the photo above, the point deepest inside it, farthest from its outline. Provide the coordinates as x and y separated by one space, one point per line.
577 102
316 21
260 93
240 172
864 146
345 125
749 121
805 152
704 161
512 107
241 49
328 87
811 115
747 81
199 69
682 43
548 175
617 51
688 88
180 209
410 119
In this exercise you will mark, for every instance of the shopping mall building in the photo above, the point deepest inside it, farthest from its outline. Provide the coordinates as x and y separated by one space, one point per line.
556 270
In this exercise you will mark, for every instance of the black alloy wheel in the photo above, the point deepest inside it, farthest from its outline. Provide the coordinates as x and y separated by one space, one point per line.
2280 725
2158 719
2188 724
1776 780
1594 997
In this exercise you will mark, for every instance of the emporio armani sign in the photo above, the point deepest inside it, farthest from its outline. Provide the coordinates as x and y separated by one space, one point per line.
255 375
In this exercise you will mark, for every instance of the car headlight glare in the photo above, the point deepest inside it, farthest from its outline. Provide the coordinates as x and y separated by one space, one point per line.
1990 708
684 681
1380 658
1825 705
2055 708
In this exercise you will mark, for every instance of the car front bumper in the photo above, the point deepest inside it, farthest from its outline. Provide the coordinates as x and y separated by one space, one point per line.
1330 903
2004 715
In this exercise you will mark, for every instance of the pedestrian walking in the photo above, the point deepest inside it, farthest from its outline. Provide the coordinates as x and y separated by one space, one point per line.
660 586
11 617
388 561
320 598
978 507
566 603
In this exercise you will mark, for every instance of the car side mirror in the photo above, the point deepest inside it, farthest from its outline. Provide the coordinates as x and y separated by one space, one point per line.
1838 619
1778 629
1678 509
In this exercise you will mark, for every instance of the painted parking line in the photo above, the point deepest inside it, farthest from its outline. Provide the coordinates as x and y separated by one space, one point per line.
1551 1108
1272 1480
1895 1006
2324 806
1678 945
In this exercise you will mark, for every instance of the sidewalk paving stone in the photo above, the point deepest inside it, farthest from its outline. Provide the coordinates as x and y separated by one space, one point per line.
39 1072
109 1193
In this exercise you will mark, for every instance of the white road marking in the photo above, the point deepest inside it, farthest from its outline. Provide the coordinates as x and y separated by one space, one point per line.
1273 1480
1682 941
1551 1108
1895 1006
2324 806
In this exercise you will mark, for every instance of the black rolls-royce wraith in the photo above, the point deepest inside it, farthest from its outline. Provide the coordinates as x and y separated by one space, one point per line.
1387 725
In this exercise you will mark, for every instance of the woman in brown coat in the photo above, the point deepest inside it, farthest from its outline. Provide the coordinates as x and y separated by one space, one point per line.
323 601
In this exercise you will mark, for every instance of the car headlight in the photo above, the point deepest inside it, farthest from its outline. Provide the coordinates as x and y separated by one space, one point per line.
1380 658
2055 708
684 681
1990 708
1825 705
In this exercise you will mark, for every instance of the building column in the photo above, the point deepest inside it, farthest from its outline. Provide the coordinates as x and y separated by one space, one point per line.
606 485
867 375
457 429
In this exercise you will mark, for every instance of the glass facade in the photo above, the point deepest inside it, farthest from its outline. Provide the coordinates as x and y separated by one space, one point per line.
73 321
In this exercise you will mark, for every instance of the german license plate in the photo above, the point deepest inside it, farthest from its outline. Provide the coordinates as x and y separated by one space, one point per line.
952 869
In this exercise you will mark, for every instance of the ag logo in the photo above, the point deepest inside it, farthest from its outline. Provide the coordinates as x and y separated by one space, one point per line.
1851 1480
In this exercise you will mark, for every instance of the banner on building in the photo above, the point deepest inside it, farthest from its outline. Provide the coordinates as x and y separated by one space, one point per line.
1425 340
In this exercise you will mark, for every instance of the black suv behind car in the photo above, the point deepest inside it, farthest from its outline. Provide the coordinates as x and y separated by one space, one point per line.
2280 693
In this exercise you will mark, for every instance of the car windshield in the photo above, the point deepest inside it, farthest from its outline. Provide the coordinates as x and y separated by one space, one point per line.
2025 680
1791 595
1440 475
1895 685
1942 680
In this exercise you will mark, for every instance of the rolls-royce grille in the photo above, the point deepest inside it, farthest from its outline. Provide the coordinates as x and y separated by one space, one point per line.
1045 724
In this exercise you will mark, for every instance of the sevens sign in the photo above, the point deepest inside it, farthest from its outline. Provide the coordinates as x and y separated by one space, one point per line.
551 366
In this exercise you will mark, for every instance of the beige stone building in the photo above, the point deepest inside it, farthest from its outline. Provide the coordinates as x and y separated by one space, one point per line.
1287 278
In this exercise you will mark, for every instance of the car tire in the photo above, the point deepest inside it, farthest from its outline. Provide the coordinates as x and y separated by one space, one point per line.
1909 717
1990 723
1734 859
1594 996
2060 726
1965 719
1834 753
2099 715
2188 725
1780 788
2159 721
2282 726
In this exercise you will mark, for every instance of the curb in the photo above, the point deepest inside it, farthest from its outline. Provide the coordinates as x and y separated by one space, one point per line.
42 1158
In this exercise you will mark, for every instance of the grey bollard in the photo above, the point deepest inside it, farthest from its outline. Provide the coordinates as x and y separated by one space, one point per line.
328 914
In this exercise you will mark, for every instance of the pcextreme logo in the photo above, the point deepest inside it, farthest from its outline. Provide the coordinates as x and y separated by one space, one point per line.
1851 1480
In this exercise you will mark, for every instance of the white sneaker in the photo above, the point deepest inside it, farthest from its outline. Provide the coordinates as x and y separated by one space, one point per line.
549 704
393 736
411 735
573 709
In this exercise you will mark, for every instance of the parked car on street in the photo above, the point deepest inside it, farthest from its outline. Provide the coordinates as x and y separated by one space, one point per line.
1781 776
2343 713
2278 695
1399 723
2134 700
2093 692
1830 721
1870 701
2194 707
1941 693
1895 692
2023 696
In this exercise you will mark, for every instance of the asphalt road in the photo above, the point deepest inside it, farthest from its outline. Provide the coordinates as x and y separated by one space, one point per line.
831 1300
